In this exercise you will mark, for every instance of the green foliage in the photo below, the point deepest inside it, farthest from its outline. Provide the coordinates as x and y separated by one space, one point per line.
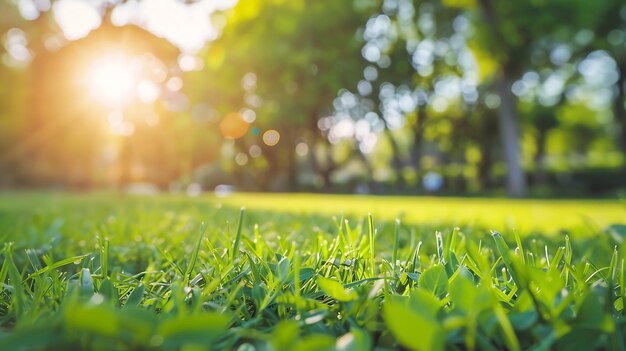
295 282
289 65
335 290
413 321
434 280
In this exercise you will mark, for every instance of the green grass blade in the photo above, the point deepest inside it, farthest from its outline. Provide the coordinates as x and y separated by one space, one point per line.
558 255
370 222
440 249
104 258
58 264
18 296
505 253
235 252
416 258
194 254
520 248
396 239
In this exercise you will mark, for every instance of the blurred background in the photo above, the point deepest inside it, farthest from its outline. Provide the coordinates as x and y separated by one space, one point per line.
449 97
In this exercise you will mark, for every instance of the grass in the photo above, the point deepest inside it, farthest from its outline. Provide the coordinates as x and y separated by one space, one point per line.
102 271
525 215
546 216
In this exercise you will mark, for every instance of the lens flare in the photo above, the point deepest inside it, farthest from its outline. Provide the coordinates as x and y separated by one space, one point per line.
112 80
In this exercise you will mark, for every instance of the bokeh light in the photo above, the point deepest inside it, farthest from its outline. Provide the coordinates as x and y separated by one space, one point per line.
119 125
248 115
241 159
188 63
194 189
233 126
302 149
254 151
16 45
76 17
271 137
147 91
174 84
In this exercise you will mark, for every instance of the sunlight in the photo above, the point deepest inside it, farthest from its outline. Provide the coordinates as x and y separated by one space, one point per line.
112 80
76 18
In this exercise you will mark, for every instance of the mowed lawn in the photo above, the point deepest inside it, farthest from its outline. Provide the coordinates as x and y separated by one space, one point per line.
524 215
548 217
171 272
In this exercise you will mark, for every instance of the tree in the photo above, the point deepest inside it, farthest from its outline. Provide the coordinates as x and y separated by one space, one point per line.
610 36
506 32
285 61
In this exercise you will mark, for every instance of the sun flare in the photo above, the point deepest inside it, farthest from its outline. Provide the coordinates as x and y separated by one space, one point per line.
112 80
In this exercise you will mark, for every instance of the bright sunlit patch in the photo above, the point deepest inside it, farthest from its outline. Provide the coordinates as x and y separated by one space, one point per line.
112 80
147 91
76 17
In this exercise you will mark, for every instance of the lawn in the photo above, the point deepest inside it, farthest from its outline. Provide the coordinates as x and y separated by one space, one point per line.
309 272
545 216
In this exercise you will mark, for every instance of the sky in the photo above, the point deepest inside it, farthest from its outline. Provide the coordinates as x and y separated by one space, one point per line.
188 26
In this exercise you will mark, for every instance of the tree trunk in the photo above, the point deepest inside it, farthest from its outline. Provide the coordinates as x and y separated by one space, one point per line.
396 161
509 134
324 168
619 110
368 168
323 165
507 116
484 166
418 137
540 155
291 168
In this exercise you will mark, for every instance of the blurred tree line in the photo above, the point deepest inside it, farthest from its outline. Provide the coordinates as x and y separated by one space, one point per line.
393 96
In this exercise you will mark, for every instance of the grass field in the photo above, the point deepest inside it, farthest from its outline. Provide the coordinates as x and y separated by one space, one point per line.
309 272
545 216
525 215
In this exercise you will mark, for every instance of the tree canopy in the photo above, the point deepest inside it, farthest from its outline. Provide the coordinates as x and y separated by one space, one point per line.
418 96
